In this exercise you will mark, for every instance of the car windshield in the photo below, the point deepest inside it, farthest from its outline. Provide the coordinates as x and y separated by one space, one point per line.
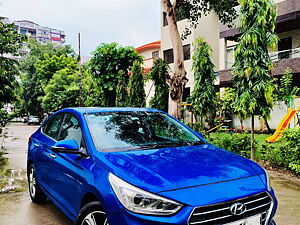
123 131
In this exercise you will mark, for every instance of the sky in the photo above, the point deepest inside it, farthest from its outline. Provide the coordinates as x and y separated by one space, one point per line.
128 22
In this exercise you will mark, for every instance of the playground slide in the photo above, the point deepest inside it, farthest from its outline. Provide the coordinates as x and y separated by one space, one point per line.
283 125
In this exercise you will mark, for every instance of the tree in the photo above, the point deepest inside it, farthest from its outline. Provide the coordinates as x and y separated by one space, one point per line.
192 10
286 90
62 90
10 44
136 90
252 68
159 74
32 84
90 90
204 96
108 63
58 76
122 90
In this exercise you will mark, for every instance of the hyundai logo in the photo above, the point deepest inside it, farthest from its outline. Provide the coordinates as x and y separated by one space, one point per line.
238 209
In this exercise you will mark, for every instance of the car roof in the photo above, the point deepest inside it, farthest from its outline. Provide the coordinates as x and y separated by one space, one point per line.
90 110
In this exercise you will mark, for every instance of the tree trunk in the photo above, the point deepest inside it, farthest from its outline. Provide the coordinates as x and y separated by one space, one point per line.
178 79
267 125
252 138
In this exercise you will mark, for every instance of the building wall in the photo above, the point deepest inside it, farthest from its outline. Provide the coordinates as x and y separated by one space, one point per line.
277 114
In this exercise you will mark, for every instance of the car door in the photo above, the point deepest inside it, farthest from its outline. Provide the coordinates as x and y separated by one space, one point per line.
63 178
43 153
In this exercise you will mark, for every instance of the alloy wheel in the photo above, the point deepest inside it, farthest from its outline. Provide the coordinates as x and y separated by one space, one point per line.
32 183
95 218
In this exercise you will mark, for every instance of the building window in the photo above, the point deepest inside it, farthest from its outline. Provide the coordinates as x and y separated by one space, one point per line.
285 48
186 94
230 57
165 21
169 56
187 52
155 54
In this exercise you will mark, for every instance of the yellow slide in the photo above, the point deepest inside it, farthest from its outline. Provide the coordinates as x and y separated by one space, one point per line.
283 125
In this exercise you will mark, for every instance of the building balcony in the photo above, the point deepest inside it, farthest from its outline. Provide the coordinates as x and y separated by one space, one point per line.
282 60
288 19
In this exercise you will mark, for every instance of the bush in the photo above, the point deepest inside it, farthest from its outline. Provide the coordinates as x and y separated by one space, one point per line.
237 143
290 150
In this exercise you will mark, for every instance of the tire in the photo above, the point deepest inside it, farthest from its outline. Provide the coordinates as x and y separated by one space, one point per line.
35 192
92 214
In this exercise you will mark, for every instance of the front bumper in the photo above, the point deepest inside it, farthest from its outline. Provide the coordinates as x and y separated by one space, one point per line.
124 217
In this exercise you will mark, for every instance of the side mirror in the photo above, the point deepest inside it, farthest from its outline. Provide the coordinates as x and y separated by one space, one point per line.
67 146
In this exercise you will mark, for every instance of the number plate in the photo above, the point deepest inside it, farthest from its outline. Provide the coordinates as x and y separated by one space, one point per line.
255 220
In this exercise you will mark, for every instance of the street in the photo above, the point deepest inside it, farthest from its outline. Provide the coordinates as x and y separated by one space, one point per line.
17 209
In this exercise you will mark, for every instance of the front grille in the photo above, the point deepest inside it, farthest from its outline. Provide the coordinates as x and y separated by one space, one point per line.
220 214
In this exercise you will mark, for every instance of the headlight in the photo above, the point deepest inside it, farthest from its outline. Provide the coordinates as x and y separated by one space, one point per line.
268 181
139 201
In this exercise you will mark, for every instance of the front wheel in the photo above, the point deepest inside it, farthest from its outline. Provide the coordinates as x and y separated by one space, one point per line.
35 192
92 214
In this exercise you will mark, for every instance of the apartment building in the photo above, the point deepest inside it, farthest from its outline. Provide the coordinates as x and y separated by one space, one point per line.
208 29
223 41
40 33
287 53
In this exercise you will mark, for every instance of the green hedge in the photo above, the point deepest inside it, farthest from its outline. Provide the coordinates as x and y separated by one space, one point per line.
290 150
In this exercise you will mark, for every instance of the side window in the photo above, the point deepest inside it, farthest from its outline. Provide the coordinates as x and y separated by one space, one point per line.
71 129
51 127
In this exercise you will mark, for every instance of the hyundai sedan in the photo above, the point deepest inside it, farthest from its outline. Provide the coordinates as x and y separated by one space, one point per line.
138 166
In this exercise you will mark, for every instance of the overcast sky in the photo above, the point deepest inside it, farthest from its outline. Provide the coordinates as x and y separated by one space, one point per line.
129 22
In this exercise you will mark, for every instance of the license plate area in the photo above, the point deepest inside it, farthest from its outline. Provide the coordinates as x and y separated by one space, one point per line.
254 220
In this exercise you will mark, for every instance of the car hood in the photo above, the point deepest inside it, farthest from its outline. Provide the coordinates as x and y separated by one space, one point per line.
177 167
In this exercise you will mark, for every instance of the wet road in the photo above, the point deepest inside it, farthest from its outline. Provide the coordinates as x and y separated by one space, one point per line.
17 208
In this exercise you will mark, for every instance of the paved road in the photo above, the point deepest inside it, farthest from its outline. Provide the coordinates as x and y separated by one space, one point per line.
17 208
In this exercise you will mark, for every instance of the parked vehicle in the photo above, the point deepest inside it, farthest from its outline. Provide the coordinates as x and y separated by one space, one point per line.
25 119
3 123
33 120
133 166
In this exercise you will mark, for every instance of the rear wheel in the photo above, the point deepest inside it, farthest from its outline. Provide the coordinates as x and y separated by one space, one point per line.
35 192
92 214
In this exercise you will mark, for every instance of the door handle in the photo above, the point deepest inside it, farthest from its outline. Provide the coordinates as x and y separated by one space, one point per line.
36 145
53 156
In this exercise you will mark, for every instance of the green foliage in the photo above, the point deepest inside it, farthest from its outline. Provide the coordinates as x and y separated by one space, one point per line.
290 150
251 73
286 91
32 84
106 65
159 74
226 102
237 143
91 92
46 68
122 90
204 96
62 90
136 90
194 10
10 44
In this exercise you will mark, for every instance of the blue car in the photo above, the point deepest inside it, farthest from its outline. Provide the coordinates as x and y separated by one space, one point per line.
137 166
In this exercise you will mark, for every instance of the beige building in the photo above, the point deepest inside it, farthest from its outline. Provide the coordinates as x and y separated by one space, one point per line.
207 29
149 52
223 41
